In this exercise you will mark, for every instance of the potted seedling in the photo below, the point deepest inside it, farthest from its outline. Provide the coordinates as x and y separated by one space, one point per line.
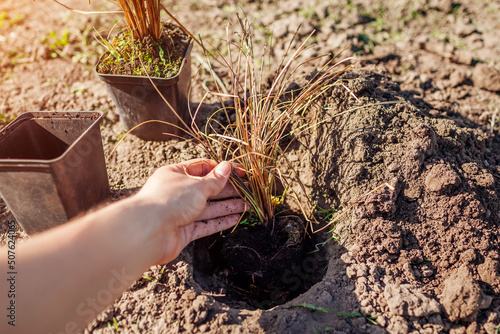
52 167
145 63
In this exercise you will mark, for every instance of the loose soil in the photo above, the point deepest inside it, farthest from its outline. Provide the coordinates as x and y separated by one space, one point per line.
420 113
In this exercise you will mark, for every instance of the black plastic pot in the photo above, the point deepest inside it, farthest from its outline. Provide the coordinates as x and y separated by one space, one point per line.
137 101
52 167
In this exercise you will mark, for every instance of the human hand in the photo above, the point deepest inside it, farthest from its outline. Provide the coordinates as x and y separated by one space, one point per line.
188 201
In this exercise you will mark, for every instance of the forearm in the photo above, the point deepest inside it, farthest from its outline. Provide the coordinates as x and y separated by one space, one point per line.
67 275
70 274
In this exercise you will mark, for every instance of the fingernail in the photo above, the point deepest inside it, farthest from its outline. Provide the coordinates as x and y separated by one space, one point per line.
223 169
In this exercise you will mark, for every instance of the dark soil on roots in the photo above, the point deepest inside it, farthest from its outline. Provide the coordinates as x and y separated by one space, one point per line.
261 265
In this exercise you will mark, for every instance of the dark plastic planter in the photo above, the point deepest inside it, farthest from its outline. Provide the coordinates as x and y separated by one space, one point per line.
138 101
52 167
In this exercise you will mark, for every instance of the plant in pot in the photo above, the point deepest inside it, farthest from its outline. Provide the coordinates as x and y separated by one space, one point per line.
147 62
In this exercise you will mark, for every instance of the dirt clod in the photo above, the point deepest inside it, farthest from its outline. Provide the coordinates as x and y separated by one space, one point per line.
405 300
441 178
486 77
462 296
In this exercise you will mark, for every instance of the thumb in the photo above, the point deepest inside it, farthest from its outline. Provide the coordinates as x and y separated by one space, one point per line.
217 179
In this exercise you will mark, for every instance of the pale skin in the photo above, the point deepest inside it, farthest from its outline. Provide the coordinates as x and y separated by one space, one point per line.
69 274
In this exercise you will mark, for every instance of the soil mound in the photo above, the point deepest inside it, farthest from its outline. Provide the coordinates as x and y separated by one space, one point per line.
426 254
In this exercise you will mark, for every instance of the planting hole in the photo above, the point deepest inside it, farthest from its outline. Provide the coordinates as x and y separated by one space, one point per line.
259 266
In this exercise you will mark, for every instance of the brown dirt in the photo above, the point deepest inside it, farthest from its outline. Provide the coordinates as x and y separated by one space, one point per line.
422 258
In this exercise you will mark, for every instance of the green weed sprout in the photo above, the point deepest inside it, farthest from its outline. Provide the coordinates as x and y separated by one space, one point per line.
115 325
313 307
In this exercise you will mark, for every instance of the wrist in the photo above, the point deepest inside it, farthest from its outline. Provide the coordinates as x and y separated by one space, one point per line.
139 224
157 230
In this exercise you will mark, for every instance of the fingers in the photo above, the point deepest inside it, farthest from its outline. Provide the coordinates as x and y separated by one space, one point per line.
198 167
228 192
207 227
217 179
223 208
201 167
215 176
239 169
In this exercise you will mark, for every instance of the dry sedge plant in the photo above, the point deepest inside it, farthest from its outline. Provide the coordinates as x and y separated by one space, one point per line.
250 131
263 118
161 45
142 17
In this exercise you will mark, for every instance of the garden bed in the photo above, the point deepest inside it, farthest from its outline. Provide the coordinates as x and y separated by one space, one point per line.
421 123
